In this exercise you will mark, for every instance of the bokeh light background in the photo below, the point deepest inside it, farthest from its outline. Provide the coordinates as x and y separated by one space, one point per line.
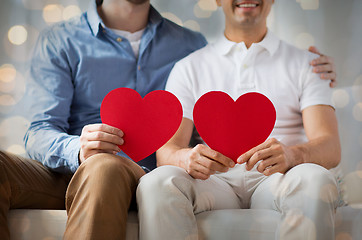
334 26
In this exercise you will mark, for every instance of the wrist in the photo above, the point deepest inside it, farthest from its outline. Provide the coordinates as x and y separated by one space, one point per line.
300 154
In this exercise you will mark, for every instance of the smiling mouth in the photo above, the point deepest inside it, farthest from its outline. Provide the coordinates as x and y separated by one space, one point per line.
247 5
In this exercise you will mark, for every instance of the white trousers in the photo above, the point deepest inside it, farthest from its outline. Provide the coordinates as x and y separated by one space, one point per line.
306 196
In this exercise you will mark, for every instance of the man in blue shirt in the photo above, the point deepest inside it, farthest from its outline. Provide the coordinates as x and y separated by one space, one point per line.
116 43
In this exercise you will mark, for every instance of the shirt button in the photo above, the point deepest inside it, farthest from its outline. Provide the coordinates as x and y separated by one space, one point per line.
245 66
119 39
139 67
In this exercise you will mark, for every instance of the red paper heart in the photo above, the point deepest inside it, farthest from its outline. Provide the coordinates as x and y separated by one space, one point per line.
147 123
234 127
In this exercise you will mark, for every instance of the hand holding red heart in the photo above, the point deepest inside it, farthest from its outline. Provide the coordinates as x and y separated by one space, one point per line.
99 138
202 162
147 123
274 156
229 127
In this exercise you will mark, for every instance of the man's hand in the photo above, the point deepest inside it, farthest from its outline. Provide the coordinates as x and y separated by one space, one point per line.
274 156
324 65
99 138
202 161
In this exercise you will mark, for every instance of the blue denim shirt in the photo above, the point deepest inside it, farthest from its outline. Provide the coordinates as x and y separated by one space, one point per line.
76 63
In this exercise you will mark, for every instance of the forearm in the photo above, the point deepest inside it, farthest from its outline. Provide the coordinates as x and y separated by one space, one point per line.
324 151
55 149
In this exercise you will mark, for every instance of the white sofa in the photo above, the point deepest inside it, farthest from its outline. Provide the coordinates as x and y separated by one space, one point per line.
221 224
234 224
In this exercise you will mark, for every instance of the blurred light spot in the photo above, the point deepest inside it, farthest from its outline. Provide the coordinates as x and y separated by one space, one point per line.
340 98
13 125
304 40
343 236
23 52
309 4
329 193
16 149
17 35
351 187
193 25
53 13
207 5
357 112
7 78
172 17
13 91
71 11
357 89
7 73
199 13
7 100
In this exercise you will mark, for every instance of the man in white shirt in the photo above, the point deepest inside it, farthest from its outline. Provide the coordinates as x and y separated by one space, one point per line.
287 173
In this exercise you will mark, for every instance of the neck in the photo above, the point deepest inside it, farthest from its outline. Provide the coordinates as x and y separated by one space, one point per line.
248 35
123 15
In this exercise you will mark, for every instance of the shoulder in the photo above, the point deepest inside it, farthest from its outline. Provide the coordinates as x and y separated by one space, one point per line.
199 57
295 54
62 30
187 36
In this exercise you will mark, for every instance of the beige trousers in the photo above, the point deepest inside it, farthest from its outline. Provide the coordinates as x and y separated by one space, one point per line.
306 196
97 197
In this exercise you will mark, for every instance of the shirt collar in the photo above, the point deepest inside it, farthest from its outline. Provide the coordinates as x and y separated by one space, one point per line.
96 23
270 42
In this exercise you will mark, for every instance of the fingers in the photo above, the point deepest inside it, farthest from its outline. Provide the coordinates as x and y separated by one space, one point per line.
322 60
246 156
325 68
257 156
271 169
103 128
313 49
216 157
324 65
203 162
99 138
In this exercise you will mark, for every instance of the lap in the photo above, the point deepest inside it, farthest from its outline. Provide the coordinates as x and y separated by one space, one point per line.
211 194
30 184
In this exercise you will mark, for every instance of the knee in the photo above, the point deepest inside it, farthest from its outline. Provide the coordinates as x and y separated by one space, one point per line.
317 182
313 174
108 169
163 181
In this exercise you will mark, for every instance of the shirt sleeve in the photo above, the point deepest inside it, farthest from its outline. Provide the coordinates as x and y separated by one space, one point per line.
48 99
315 91
180 84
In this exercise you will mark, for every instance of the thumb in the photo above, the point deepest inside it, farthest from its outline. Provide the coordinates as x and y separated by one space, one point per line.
313 49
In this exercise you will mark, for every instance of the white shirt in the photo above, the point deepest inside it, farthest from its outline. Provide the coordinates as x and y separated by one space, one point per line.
133 38
271 67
